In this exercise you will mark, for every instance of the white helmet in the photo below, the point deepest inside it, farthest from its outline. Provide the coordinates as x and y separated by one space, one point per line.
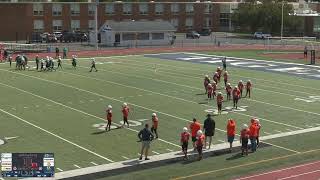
236 87
199 133
257 120
154 114
209 84
249 80
185 129
206 76
219 67
125 104
220 93
216 73
245 126
240 81
109 106
92 59
229 84
226 72
213 82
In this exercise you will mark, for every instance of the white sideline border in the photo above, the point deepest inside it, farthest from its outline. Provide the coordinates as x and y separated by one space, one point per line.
166 156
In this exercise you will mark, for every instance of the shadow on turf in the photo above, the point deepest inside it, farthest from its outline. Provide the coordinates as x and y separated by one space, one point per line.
137 166
102 132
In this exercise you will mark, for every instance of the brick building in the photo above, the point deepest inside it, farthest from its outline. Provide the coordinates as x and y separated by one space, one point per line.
19 20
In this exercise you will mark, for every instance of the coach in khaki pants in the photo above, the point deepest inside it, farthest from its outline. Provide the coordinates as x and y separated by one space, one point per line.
145 137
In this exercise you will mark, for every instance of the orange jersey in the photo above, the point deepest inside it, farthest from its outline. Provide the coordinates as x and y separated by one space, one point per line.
184 137
200 140
249 85
219 99
109 114
155 122
195 127
253 130
125 111
231 128
228 89
209 89
244 133
236 93
240 86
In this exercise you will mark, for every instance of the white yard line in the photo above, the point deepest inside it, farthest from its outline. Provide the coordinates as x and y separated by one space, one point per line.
278 131
170 150
124 157
78 110
142 107
76 166
59 169
267 133
94 163
181 99
155 152
55 135
221 141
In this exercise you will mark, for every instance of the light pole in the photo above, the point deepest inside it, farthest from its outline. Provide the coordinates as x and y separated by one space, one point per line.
281 33
96 24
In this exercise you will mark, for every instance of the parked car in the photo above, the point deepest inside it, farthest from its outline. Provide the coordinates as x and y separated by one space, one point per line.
193 35
261 35
51 38
58 35
67 36
205 32
36 38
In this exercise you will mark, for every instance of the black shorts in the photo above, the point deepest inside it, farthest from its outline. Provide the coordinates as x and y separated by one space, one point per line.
244 143
184 146
194 139
208 133
199 149
125 119
219 106
109 122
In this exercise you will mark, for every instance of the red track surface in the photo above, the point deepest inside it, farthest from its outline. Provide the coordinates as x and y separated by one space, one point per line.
309 171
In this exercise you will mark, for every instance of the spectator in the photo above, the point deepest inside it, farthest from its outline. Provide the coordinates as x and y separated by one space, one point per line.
305 52
209 128
253 134
231 132
258 134
145 137
65 50
184 139
57 52
194 127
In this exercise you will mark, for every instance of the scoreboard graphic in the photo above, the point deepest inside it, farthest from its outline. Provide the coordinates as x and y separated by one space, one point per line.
27 164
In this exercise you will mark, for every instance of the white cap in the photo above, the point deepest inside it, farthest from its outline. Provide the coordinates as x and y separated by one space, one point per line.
236 87
240 81
125 104
226 72
154 114
216 73
109 106
209 84
220 93
219 67
257 120
229 84
199 133
244 126
185 129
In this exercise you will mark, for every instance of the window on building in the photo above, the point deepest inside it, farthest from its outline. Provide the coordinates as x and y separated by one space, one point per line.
207 22
189 8
56 9
157 36
38 9
159 8
109 9
57 25
75 25
38 26
224 19
127 8
91 9
143 36
316 24
143 8
128 36
75 9
175 22
189 23
208 8
175 8
91 24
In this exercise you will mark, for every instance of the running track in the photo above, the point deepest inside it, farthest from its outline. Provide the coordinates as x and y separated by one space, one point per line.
309 171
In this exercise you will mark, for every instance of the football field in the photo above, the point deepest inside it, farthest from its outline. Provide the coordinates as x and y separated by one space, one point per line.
64 111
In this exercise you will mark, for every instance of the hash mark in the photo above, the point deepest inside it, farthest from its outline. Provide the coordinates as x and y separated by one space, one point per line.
77 166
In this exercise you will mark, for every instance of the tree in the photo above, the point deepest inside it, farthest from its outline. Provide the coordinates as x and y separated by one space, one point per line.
265 15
